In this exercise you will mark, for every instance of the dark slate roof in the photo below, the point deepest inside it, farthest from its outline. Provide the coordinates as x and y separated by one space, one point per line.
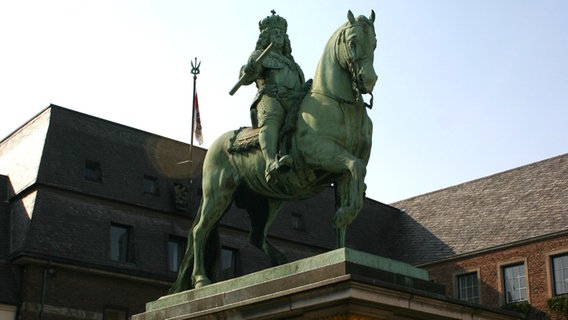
515 205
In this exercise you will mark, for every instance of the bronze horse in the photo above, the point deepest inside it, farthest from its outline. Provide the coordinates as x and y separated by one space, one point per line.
331 145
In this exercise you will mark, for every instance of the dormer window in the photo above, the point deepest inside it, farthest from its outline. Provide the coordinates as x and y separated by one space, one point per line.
151 185
93 171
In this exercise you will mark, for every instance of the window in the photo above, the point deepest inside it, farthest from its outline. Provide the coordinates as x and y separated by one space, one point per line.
515 283
298 222
115 314
151 185
120 243
560 274
176 251
468 287
228 263
93 171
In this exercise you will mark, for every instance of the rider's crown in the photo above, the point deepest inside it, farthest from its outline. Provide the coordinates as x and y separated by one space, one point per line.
273 21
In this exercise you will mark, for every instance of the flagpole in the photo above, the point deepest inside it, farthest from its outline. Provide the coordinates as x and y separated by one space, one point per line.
195 72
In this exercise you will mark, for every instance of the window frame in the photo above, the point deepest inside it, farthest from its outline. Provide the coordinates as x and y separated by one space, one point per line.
153 181
182 243
298 222
504 278
554 276
477 287
93 171
225 275
128 247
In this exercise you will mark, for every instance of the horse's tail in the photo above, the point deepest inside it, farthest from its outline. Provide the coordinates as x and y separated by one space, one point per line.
212 251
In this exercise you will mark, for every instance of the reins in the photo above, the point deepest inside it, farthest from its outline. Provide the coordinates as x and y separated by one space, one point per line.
353 67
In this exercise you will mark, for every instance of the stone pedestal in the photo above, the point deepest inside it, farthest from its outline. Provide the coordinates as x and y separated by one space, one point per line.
340 284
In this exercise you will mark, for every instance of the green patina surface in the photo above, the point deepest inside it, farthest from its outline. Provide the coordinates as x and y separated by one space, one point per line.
338 256
328 138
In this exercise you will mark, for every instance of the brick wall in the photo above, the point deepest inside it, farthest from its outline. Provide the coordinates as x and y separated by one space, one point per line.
535 255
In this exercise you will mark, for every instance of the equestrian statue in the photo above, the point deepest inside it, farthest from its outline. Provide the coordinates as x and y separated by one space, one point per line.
305 136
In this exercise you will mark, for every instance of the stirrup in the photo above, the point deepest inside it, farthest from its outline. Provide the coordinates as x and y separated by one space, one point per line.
284 163
280 164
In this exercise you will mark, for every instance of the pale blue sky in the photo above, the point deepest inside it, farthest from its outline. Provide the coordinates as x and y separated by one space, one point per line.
466 88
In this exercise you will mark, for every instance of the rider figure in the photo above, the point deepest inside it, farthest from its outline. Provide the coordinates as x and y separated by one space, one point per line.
279 81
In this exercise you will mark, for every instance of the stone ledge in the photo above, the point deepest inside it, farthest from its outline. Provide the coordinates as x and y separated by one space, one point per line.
343 281
329 264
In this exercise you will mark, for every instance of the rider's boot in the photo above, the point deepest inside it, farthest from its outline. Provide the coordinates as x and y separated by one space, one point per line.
268 138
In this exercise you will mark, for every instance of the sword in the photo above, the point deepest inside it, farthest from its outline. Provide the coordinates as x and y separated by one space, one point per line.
262 56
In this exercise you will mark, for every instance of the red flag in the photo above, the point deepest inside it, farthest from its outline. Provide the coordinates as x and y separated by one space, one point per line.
197 121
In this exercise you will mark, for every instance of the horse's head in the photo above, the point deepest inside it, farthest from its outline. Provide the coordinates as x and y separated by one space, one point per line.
355 51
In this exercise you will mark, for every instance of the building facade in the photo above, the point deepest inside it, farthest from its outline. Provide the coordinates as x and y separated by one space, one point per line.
95 215
500 241
95 219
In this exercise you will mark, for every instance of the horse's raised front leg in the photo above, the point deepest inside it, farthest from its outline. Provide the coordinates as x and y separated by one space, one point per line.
350 186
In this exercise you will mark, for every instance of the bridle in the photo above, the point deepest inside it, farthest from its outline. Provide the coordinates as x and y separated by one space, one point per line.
352 63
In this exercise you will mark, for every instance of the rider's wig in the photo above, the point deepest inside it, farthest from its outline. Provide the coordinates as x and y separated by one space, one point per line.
264 41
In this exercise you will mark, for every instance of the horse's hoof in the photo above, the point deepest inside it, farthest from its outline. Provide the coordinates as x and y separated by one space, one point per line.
201 282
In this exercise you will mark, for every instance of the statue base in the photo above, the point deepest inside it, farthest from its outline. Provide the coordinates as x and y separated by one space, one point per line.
340 284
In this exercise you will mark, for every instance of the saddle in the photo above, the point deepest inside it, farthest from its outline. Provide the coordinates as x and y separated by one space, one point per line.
245 139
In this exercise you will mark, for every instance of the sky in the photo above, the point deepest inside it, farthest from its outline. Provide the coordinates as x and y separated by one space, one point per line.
466 89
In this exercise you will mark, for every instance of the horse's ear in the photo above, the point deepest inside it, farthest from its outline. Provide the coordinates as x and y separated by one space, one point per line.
372 16
351 17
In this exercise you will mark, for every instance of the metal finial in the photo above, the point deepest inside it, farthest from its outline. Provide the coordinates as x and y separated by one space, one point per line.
273 11
195 67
